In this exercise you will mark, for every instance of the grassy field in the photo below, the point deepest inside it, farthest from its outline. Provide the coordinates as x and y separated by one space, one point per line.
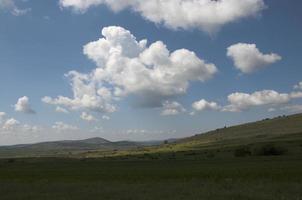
278 177
260 161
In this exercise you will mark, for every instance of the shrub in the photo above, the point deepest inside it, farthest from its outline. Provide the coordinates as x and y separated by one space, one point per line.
210 155
190 153
242 151
270 150
11 160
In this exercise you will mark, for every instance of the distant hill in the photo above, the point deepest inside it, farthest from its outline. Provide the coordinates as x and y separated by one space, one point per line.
66 147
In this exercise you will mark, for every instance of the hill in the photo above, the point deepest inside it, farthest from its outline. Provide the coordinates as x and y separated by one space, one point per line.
264 130
66 147
283 133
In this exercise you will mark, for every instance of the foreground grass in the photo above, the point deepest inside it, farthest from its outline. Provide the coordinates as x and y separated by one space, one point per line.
273 177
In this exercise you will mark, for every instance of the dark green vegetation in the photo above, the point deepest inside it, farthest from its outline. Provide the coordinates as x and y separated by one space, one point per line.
261 160
245 178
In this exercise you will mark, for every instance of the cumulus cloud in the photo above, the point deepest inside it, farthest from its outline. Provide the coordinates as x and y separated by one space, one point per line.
206 15
23 105
126 67
247 57
292 108
10 6
10 124
205 105
2 115
30 128
60 126
105 117
87 95
87 117
296 95
238 101
298 86
61 110
97 129
172 108
243 101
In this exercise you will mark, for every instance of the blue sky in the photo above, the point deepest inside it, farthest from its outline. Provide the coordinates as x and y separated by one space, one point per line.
40 41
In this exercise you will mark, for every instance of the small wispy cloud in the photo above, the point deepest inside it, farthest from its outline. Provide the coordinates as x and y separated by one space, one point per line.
10 6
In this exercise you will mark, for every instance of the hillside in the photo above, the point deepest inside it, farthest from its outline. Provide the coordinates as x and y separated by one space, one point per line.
284 133
267 129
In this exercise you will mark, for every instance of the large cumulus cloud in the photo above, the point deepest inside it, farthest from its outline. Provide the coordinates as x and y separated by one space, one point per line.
207 15
128 67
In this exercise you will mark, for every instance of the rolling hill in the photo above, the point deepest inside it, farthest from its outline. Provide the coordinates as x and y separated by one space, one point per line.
66 147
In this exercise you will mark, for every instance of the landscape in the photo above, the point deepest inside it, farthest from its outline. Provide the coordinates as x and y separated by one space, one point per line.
150 100
260 160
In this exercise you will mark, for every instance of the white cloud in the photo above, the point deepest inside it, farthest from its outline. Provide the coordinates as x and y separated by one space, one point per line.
242 101
86 95
87 117
60 126
133 68
247 57
105 117
292 108
23 105
97 129
298 86
296 95
30 128
10 124
239 101
172 108
206 15
10 6
205 105
61 110
2 115
271 110
126 67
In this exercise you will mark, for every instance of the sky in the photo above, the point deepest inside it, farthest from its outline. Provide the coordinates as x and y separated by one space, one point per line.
145 70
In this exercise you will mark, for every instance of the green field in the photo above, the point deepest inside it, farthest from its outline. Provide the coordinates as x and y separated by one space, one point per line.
240 178
260 161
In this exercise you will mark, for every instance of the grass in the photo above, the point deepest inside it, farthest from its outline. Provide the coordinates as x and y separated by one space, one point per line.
238 178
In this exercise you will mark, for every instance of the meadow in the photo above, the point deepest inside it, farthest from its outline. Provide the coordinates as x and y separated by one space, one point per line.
259 178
